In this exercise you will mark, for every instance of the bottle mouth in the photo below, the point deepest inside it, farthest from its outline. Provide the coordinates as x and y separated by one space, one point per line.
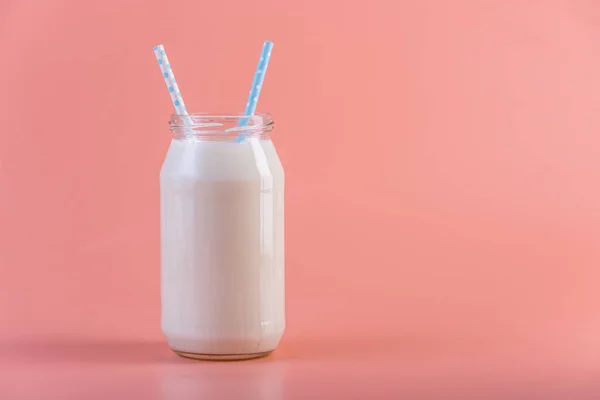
220 127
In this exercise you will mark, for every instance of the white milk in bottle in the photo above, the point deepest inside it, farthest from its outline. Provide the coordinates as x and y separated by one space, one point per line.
222 239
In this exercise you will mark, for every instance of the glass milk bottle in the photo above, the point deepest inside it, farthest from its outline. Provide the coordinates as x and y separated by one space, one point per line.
222 238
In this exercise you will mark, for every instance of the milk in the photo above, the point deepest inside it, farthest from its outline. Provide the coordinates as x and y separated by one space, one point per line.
222 247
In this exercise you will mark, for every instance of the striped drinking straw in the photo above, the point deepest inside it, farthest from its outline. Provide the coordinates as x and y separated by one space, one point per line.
257 82
169 77
167 73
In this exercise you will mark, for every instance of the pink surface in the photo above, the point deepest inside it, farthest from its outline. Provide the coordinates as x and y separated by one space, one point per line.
363 369
443 207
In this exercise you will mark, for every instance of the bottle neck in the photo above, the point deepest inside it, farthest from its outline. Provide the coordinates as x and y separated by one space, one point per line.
221 127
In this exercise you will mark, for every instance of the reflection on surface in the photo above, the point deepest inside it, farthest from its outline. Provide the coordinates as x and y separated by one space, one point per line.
259 379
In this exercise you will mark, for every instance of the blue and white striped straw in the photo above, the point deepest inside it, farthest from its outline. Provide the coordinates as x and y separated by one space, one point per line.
167 73
257 82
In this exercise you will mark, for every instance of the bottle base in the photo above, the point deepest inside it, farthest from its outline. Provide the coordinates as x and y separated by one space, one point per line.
222 357
223 348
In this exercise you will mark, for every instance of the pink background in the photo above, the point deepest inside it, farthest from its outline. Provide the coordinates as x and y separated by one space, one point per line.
443 201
